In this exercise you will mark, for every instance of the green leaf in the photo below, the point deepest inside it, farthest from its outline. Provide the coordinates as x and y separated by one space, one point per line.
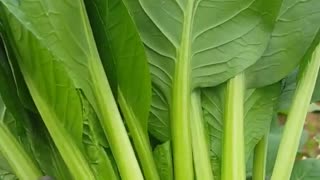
306 169
53 92
28 128
159 124
120 47
163 157
94 143
63 30
5 170
18 159
296 29
258 108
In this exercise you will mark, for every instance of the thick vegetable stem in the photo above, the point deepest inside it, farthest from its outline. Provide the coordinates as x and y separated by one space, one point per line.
259 159
233 159
181 104
294 126
18 159
113 126
200 146
140 140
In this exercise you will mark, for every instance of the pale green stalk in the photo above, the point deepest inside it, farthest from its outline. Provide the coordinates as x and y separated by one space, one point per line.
233 156
259 159
108 112
18 159
180 111
140 140
294 126
200 146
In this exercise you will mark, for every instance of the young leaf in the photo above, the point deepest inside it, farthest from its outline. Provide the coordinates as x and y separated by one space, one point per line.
94 143
296 29
63 30
163 157
119 45
195 44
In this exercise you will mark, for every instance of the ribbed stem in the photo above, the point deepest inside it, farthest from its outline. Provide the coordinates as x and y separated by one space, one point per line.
113 126
233 156
201 156
294 126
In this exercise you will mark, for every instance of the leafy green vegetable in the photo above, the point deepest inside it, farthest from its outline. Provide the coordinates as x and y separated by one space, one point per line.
27 127
120 46
74 49
53 93
187 50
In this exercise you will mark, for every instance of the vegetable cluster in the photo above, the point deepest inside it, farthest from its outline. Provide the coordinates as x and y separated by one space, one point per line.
157 90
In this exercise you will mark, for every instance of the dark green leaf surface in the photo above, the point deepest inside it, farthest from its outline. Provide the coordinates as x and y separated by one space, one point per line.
296 29
258 108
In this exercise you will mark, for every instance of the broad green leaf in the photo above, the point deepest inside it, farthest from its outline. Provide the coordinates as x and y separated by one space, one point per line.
120 47
306 170
63 30
215 39
258 108
163 156
296 29
94 142
53 92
